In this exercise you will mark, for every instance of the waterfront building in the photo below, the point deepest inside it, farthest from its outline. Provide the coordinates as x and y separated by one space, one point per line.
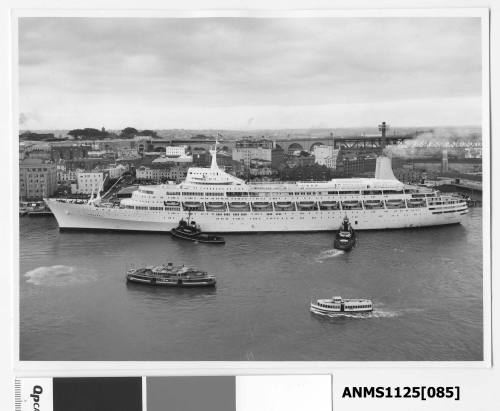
301 159
127 153
37 179
175 151
116 170
245 150
177 173
88 163
38 151
277 158
326 156
96 153
88 182
151 173
66 176
261 168
358 165
69 152
143 143
173 159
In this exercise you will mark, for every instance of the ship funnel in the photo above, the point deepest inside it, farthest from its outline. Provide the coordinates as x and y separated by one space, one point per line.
383 169
213 152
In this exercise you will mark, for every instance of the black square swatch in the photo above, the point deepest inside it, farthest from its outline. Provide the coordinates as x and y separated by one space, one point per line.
98 394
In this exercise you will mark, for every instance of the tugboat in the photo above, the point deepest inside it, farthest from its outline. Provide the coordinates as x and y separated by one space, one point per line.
339 305
191 231
345 238
170 276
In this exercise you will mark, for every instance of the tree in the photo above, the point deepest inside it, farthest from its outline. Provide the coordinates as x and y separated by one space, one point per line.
128 132
147 133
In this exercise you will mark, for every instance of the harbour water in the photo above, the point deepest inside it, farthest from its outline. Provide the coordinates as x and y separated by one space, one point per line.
426 286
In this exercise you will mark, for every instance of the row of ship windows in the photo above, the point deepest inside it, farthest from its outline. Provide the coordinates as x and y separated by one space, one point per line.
448 211
346 306
291 205
287 193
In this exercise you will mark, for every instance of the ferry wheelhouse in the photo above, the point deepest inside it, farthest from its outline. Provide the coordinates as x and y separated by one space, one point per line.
221 202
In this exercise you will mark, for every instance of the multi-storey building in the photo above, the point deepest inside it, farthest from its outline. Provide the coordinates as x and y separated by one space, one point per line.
326 156
88 182
161 173
66 176
69 152
37 179
277 158
246 150
174 151
177 173
151 173
116 170
183 158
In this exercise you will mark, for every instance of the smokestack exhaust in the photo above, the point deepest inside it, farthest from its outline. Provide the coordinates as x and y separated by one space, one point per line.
383 131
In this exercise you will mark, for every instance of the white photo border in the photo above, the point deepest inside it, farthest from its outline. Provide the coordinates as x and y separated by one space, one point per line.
166 368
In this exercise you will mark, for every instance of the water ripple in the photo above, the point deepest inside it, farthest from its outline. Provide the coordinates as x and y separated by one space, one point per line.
59 276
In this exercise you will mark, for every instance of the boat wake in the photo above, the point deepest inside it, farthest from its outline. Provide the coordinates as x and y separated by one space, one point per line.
372 314
58 276
329 254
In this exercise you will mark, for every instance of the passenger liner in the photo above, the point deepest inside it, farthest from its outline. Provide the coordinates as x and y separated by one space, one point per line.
220 202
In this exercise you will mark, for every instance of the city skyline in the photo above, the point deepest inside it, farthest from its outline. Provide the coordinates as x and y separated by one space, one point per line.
248 74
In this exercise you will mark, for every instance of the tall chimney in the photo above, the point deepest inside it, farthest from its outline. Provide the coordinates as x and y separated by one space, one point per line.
383 130
444 161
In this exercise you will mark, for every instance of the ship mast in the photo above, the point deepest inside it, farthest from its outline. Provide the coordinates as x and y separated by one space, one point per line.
214 165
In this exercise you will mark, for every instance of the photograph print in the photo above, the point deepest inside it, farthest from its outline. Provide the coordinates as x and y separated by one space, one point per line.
295 188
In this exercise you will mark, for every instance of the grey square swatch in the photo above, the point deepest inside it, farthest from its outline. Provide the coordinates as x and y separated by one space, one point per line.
207 393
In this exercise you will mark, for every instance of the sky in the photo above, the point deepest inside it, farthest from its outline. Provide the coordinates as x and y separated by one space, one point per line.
248 73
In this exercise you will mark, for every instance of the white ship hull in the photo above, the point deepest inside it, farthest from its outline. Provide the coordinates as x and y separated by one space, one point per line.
222 203
89 216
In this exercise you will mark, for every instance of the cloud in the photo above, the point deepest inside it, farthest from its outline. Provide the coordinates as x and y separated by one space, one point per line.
215 62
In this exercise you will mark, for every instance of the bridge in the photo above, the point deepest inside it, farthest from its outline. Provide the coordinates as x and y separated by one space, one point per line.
347 144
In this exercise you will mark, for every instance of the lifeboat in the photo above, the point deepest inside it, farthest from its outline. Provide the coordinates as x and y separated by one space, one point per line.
395 203
238 204
373 204
416 201
306 204
192 204
283 204
261 204
328 203
171 203
216 205
351 204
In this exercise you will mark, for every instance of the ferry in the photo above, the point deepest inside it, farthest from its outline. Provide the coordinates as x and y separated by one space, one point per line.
170 276
336 305
222 203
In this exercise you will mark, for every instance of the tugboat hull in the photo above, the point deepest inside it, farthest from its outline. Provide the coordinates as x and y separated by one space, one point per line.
198 237
341 243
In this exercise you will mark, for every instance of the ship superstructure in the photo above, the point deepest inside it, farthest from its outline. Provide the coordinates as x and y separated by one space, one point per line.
220 202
